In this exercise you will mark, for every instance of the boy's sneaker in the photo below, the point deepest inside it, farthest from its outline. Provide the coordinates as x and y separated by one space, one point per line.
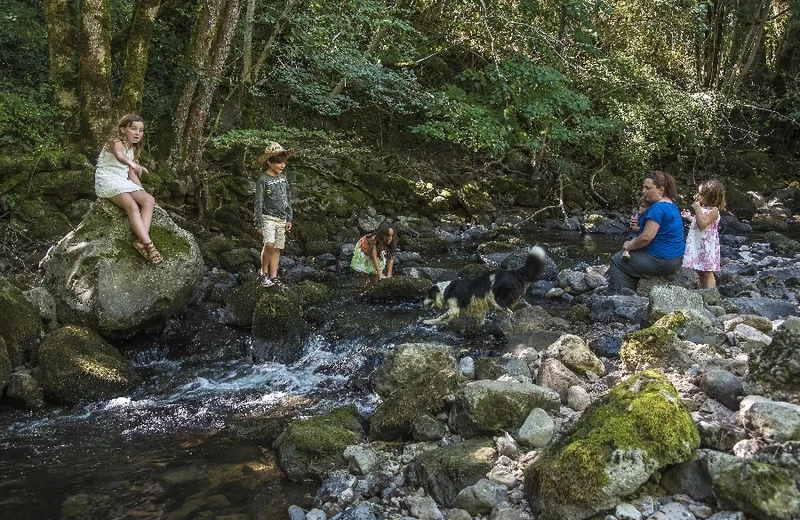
266 281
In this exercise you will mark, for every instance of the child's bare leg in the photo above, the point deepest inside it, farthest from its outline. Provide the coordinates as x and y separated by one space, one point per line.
146 204
707 280
131 208
264 260
373 279
362 281
273 259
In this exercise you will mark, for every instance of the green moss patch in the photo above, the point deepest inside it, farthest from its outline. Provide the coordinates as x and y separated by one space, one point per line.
312 448
654 346
641 415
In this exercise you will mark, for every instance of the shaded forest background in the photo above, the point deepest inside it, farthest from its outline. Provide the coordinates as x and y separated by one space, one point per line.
587 94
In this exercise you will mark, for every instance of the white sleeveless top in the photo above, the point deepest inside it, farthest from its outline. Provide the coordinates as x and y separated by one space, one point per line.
111 176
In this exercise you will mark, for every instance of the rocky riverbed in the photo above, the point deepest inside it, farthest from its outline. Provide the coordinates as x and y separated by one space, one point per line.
665 404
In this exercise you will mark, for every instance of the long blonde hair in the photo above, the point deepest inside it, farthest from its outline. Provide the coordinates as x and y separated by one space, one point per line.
124 122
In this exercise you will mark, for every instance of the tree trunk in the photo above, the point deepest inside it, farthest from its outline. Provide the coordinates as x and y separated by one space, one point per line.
94 70
203 35
197 107
61 41
787 61
129 99
749 48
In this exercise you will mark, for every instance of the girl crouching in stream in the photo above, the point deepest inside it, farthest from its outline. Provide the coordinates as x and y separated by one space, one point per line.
373 254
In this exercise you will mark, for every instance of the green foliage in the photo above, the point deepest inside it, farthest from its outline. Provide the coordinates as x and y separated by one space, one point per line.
516 103
330 42
28 119
23 45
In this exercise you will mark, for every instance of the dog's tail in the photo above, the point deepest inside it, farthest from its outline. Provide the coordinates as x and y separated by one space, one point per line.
534 263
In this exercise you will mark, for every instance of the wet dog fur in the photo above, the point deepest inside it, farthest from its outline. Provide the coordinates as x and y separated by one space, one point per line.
495 290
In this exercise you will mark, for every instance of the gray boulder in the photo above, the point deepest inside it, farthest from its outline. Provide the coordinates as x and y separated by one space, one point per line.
771 421
445 471
492 406
665 299
617 308
99 280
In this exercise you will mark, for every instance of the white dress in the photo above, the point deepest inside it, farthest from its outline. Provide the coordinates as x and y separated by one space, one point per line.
111 176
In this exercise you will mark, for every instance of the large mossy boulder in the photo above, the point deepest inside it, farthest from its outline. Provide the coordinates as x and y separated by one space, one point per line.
639 427
278 325
653 347
759 490
20 324
75 364
313 448
99 280
776 367
413 380
443 472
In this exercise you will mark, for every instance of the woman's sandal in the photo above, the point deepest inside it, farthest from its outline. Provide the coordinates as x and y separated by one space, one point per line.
148 251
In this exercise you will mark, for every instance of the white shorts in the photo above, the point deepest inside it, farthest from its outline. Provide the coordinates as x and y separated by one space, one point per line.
274 231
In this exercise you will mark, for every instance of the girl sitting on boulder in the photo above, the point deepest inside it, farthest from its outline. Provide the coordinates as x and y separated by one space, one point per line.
116 178
375 252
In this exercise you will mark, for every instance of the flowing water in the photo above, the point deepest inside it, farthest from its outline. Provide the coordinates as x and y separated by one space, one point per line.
194 440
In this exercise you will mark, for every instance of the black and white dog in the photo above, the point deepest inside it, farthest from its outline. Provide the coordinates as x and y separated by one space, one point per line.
495 290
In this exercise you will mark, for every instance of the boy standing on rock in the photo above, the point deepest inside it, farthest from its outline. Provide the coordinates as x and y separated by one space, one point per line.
272 214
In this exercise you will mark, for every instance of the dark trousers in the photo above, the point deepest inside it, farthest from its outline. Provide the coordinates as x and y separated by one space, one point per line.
627 273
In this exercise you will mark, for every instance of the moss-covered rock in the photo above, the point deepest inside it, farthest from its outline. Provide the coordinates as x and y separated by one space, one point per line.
492 406
99 280
320 247
313 448
398 289
413 379
242 302
20 324
278 323
760 490
67 185
653 347
616 445
215 246
692 326
444 472
233 259
579 313
781 243
776 367
43 221
311 293
76 364
474 200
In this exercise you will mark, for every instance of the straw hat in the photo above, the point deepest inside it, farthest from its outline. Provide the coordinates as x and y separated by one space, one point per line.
274 149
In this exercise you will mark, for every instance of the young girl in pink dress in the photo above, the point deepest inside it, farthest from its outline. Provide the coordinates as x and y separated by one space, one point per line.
702 242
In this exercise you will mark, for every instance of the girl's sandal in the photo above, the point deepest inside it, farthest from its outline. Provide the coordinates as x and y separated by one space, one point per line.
149 252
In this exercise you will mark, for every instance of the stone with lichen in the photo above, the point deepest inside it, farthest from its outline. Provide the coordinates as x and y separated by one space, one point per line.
653 347
636 429
99 280
313 448
76 364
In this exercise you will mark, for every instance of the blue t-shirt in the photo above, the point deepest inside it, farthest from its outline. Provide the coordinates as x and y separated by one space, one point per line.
668 242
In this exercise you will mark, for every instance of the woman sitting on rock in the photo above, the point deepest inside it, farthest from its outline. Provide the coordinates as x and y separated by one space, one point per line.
658 249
